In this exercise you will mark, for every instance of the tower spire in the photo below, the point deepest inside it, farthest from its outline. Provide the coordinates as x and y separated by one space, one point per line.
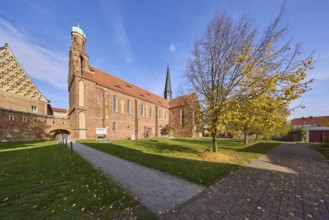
167 91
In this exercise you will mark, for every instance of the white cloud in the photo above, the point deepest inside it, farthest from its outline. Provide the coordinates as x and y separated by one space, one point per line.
172 48
39 62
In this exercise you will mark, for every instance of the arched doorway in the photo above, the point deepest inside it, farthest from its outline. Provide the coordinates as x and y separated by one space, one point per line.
58 133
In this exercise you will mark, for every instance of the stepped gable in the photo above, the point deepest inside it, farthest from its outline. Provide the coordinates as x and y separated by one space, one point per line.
111 82
181 100
13 78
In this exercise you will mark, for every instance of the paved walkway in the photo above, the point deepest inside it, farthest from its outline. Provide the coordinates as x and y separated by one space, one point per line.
290 182
157 191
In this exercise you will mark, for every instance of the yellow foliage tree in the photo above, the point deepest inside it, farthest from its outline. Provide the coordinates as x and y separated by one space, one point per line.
233 64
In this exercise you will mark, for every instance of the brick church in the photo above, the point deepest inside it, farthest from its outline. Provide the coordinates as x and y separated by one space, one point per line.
97 100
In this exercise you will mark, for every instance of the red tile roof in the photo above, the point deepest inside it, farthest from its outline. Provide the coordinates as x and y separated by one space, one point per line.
181 100
111 82
59 110
309 121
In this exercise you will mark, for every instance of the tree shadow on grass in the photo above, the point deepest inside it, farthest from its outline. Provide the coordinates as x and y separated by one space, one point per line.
207 142
201 172
165 147
19 144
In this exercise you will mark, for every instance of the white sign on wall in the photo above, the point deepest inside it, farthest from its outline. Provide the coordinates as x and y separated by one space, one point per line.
101 131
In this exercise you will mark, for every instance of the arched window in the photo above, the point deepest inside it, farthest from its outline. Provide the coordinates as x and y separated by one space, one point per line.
115 104
150 112
160 114
182 118
114 126
128 106
81 93
82 125
142 110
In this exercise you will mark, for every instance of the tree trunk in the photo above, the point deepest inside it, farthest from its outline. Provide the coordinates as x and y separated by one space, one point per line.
245 138
256 139
214 143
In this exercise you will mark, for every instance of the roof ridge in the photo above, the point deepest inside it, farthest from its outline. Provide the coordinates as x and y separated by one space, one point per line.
143 94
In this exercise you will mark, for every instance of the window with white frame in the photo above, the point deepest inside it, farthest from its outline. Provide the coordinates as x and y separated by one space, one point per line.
34 109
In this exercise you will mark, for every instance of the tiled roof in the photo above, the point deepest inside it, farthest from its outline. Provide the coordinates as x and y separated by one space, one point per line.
181 100
309 121
111 82
59 110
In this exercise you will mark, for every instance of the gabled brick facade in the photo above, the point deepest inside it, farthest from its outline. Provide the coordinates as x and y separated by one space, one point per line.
96 100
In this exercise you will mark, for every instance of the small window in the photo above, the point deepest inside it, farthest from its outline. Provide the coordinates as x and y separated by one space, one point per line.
11 118
35 120
114 126
24 119
53 122
63 122
34 109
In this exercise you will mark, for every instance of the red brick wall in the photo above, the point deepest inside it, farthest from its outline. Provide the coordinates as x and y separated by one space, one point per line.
35 127
186 130
21 103
100 114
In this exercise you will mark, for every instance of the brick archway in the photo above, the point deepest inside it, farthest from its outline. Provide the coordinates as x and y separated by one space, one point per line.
58 132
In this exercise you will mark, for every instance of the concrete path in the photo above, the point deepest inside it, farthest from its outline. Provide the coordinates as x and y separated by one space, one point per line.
290 182
157 191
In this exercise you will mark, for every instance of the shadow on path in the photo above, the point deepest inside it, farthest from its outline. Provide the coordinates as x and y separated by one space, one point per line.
290 182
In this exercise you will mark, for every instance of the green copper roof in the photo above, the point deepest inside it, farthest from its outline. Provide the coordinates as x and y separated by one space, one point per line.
79 31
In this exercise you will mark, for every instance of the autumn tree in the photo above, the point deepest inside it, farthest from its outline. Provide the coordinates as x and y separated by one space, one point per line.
233 62
258 115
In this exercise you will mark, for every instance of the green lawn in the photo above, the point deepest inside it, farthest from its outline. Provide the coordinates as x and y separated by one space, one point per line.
42 180
187 158
323 149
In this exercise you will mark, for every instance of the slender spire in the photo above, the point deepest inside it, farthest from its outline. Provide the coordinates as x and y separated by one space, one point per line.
167 91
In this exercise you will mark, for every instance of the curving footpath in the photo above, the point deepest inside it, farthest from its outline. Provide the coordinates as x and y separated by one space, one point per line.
157 191
290 182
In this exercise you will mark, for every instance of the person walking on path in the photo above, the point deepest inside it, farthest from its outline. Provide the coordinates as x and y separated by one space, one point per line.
290 182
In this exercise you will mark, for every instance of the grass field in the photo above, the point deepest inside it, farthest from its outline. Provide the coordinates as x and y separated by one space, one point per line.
323 149
42 180
187 158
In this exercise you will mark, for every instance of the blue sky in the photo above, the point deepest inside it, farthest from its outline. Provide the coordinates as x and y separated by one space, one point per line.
135 40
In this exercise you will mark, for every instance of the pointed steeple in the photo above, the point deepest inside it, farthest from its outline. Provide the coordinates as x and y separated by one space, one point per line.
167 91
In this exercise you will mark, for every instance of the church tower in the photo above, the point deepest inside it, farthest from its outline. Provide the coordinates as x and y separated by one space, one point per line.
167 90
78 64
78 58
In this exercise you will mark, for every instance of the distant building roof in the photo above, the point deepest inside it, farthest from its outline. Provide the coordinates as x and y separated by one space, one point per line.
111 82
309 121
62 110
181 100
